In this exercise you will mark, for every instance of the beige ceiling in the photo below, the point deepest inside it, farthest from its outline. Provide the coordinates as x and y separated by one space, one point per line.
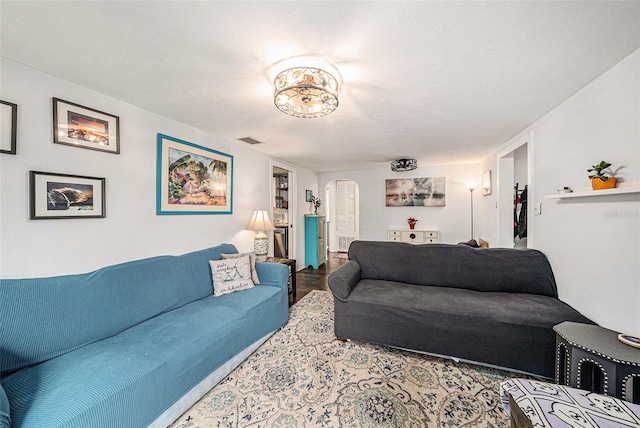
443 82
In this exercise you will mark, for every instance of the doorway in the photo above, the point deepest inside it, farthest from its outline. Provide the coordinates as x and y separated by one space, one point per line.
283 210
515 180
343 222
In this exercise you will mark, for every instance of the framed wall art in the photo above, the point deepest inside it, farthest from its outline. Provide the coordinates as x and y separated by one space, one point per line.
79 126
8 127
192 179
486 183
308 195
62 196
415 192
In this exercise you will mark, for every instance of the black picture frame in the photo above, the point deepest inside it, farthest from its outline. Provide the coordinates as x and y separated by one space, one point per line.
8 127
65 196
79 126
308 195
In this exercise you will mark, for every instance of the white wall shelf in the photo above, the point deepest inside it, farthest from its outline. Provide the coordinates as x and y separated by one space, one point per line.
624 188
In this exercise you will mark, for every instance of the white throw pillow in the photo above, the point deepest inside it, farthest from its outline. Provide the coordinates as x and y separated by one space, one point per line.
231 275
252 260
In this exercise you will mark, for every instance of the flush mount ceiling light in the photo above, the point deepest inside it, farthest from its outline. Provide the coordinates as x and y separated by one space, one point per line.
401 165
306 92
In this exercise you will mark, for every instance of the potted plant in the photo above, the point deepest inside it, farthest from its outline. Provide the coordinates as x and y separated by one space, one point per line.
599 180
412 222
316 202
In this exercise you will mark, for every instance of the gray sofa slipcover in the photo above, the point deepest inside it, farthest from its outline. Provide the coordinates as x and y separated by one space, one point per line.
490 306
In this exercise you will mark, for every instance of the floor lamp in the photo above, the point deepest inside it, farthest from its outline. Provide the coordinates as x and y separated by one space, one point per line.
472 187
260 223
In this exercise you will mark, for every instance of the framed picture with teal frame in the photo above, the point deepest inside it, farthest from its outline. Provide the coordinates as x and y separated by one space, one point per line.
192 179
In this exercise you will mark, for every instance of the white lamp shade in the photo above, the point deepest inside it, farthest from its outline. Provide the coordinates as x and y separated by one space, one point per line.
260 221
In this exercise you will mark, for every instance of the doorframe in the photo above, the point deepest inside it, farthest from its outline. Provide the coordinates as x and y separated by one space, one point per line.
293 203
331 186
505 184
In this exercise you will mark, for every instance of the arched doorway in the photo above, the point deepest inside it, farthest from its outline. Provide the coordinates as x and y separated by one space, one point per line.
343 214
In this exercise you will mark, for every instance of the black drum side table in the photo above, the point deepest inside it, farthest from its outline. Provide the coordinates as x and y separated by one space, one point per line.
613 363
292 267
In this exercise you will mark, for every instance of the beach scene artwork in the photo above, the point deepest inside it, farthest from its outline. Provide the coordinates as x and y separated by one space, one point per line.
83 127
56 196
196 179
192 179
415 192
69 196
87 128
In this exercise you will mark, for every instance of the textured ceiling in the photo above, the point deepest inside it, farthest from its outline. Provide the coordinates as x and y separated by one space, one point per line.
443 82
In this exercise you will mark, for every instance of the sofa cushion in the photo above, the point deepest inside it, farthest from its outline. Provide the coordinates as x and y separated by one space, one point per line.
231 274
252 261
71 311
513 330
459 266
5 415
129 379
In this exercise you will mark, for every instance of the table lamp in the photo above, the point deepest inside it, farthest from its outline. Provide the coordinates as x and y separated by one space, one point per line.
260 223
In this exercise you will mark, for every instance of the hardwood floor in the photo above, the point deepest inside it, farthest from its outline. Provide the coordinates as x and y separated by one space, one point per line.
316 279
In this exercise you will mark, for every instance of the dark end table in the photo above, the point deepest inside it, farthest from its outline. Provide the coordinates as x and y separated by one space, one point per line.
613 362
292 271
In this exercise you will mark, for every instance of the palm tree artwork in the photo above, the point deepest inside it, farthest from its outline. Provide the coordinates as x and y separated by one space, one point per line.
196 180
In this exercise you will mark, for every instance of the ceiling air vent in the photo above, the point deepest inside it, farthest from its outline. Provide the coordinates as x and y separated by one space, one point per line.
250 140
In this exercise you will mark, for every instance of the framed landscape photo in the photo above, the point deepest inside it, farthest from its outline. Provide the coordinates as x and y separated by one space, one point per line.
79 126
192 179
63 196
8 127
415 192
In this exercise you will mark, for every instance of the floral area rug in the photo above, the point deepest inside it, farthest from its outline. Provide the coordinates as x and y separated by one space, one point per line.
303 377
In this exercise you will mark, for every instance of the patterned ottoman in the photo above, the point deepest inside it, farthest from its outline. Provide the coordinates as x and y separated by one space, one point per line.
531 403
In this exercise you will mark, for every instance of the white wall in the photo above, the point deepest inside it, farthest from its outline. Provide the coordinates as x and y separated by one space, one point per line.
520 169
593 244
131 230
453 220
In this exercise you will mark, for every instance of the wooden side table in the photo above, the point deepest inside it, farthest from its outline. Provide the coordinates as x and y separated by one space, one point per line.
516 415
577 344
292 274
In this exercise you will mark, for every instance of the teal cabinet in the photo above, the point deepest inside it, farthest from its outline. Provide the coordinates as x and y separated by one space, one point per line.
315 249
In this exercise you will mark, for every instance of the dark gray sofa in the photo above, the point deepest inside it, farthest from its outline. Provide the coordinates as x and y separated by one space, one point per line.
494 306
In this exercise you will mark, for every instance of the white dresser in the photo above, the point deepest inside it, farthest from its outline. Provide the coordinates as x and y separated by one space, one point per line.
415 236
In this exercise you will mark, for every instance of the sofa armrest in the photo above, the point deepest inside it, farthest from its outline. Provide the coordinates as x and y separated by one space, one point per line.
344 279
273 274
5 416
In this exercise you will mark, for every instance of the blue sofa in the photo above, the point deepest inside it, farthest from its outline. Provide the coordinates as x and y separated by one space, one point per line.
129 345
